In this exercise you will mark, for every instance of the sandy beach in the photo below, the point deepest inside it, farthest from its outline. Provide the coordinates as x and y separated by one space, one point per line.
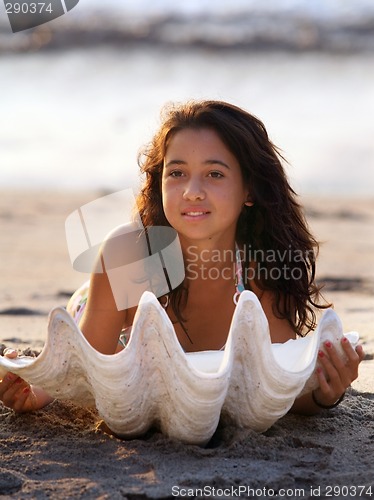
59 452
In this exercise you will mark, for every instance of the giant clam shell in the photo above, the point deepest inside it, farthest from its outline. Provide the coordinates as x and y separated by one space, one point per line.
153 382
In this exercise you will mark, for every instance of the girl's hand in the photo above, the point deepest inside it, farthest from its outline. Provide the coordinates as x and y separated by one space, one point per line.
335 374
17 394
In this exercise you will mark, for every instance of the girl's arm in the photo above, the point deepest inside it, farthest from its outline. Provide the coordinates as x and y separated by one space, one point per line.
101 322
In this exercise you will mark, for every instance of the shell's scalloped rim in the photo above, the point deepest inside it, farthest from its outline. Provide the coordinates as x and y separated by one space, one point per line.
154 382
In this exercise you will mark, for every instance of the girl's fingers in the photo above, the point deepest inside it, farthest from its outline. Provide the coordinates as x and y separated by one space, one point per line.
323 384
360 352
342 372
9 394
336 375
21 399
14 391
334 357
10 353
353 355
7 382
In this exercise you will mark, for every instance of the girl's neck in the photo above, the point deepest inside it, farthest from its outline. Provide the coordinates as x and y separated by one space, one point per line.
209 261
211 253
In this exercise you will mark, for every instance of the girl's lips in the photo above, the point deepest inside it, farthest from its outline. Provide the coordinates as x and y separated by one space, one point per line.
195 214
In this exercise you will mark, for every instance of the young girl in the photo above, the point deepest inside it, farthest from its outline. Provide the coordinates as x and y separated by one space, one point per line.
212 174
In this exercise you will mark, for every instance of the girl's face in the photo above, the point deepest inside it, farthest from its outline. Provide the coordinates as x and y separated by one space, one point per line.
202 188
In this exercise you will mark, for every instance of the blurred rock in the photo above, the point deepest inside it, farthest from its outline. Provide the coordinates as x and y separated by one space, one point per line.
251 30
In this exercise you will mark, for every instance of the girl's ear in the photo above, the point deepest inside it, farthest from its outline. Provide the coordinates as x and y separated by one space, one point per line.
248 202
248 198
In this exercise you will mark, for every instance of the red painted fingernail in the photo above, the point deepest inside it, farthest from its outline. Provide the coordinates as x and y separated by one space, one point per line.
328 344
11 377
321 354
345 340
26 390
8 350
319 370
18 381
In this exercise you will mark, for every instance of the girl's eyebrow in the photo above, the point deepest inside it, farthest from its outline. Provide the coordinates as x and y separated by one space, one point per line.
206 162
174 162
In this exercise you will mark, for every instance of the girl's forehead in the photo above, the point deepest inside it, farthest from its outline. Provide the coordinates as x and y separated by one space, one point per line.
199 137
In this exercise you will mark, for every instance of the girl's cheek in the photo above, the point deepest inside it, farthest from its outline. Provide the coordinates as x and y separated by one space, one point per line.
166 204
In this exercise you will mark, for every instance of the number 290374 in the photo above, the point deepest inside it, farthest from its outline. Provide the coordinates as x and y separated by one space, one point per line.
28 8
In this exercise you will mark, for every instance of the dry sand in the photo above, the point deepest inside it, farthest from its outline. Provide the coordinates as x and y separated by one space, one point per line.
58 453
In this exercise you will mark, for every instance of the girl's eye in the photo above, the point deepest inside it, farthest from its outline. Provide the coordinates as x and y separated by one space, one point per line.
176 173
215 174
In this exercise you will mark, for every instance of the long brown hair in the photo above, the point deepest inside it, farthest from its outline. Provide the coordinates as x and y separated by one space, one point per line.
273 231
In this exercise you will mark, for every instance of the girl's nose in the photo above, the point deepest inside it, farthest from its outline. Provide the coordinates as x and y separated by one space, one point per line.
194 190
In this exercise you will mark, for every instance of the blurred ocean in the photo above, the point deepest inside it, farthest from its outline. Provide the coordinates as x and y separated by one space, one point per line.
81 94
